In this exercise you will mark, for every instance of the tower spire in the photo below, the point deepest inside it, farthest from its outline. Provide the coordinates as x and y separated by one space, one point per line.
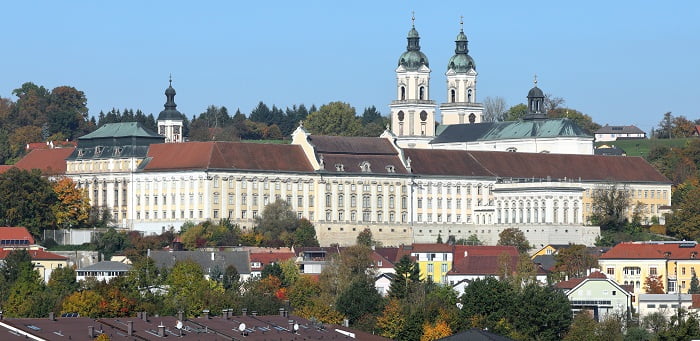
413 19
461 23
535 81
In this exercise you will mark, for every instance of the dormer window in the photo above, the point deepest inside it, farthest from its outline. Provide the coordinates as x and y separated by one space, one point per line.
339 167
512 149
98 150
365 167
81 153
390 169
693 255
118 151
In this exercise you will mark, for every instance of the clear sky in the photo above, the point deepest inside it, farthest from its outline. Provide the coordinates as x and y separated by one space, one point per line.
622 62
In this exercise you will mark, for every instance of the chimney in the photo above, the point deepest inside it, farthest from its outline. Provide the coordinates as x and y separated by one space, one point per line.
179 316
244 312
213 256
346 323
91 332
206 314
130 328
161 330
51 316
0 314
255 313
144 316
281 311
291 326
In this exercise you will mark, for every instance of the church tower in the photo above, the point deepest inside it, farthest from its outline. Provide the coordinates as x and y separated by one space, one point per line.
535 104
413 112
461 106
170 120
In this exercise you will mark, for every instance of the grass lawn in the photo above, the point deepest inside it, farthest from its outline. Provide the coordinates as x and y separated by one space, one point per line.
641 147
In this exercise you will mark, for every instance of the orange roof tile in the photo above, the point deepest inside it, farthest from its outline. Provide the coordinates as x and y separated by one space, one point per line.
432 248
266 258
15 233
573 282
48 161
36 255
653 251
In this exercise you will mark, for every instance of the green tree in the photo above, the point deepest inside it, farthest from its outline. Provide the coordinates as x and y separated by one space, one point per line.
514 237
516 112
365 238
335 118
305 234
582 328
277 224
574 261
543 313
392 320
406 275
27 295
488 300
360 298
27 200
694 285
582 120
67 112
189 291
684 221
111 242
609 206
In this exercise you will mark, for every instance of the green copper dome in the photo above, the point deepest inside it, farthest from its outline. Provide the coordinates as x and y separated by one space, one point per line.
461 61
413 58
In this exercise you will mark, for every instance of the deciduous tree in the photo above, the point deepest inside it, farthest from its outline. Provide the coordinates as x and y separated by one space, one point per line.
392 320
73 205
609 206
27 198
435 331
495 109
514 237
335 118
653 284
574 261
358 299
516 112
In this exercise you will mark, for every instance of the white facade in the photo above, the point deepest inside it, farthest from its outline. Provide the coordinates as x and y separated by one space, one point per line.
171 129
556 145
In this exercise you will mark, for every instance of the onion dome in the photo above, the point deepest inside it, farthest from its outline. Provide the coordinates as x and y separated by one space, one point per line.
170 112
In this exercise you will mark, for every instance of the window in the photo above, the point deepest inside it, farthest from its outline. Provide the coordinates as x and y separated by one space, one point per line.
380 201
652 271
341 200
444 268
430 268
610 271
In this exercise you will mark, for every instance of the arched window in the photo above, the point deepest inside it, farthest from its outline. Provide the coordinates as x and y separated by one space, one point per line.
453 96
421 93
469 95
472 118
403 93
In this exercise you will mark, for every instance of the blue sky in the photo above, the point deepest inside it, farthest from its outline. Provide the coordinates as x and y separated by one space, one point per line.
622 62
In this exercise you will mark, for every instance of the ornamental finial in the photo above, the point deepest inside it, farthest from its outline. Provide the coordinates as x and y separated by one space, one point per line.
413 19
461 23
535 79
171 79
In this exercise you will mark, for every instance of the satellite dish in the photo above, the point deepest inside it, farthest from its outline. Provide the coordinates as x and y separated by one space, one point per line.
296 327
241 327
178 325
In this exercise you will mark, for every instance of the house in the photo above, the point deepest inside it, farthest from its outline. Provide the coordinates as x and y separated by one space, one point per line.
103 271
211 262
15 237
44 262
631 263
613 133
666 304
312 260
479 262
382 264
597 294
434 260
382 282
260 259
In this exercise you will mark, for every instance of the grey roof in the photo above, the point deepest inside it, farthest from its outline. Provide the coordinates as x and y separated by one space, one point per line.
107 266
490 131
665 297
608 129
222 259
546 261
115 140
615 151
475 335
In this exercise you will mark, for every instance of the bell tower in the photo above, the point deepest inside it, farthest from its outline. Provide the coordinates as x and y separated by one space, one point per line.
461 106
413 112
170 121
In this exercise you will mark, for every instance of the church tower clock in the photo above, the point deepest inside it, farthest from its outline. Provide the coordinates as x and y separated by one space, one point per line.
413 112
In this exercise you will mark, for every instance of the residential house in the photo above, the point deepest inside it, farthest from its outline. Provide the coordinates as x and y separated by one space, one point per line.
597 294
15 237
613 133
44 262
666 304
631 263
312 260
103 271
434 260
260 259
382 282
211 262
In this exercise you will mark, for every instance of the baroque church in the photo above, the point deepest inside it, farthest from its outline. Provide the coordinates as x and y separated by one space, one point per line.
413 119
412 184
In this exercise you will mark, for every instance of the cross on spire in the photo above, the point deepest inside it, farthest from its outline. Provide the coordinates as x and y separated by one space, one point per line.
461 23
171 79
535 79
413 18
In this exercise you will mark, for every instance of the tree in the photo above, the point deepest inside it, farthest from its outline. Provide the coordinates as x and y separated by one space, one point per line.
392 320
472 240
653 284
27 200
543 313
574 261
552 102
684 221
86 303
494 109
111 242
302 292
582 328
490 300
335 118
72 208
189 291
305 234
694 285
406 275
365 238
655 322
514 237
582 120
609 206
358 299
435 331
516 112
67 112
276 221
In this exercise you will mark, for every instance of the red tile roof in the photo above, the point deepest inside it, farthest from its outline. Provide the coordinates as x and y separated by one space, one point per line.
445 162
352 145
422 248
36 255
653 251
482 265
5 168
462 251
390 253
266 258
227 155
16 233
49 161
696 301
